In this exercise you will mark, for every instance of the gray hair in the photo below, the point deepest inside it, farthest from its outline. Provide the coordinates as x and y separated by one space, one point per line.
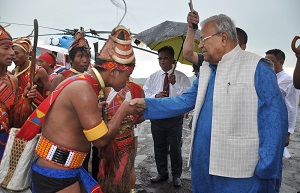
223 24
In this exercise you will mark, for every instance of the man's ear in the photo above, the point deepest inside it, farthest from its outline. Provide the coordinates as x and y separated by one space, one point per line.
113 72
243 46
224 36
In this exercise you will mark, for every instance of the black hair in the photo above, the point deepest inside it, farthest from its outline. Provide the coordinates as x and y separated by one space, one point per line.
73 52
242 35
279 55
167 49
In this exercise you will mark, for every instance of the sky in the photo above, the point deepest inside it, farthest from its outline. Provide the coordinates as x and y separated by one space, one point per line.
269 23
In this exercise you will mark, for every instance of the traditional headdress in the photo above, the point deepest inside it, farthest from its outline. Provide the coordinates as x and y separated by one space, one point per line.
117 52
79 41
23 43
47 57
5 37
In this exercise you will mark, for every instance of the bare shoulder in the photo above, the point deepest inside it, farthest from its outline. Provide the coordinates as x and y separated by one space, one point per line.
42 72
59 78
55 82
81 93
81 99
81 87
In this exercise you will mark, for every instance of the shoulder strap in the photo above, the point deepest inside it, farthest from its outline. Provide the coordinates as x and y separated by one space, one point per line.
33 124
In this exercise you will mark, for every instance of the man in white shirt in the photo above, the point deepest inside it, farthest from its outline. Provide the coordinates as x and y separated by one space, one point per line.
167 82
289 92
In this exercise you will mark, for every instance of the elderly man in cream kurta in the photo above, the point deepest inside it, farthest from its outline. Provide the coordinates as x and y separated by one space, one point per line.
240 117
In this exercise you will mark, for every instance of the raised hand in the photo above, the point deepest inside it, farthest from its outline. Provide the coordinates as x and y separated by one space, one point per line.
193 18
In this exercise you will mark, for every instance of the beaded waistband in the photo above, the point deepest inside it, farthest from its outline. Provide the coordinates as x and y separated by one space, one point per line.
59 155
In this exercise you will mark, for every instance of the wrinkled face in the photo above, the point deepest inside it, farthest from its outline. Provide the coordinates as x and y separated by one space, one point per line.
81 61
21 56
7 55
120 79
165 60
211 43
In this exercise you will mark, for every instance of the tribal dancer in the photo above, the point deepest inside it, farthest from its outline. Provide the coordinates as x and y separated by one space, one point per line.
8 86
74 120
117 174
22 47
80 59
47 60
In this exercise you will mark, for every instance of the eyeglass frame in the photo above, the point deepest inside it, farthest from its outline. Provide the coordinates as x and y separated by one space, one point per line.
202 40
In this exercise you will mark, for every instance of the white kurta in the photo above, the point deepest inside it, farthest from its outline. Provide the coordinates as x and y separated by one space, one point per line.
291 97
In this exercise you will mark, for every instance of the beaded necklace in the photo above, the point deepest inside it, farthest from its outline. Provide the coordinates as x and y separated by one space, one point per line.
17 73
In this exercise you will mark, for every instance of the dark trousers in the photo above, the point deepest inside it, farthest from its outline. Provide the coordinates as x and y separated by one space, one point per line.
164 132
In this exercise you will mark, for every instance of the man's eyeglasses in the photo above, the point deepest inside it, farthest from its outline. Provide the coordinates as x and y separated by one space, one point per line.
202 40
163 58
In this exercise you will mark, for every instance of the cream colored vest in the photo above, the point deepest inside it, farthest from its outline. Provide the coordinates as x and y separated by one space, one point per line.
234 135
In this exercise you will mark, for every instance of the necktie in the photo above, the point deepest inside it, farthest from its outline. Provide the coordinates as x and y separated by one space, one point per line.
166 83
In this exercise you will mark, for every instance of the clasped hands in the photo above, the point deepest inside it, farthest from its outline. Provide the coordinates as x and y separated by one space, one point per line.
135 106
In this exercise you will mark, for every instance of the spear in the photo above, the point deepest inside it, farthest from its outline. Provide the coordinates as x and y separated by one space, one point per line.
21 109
33 52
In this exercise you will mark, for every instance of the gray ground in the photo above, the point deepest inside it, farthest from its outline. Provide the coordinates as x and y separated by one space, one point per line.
146 168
